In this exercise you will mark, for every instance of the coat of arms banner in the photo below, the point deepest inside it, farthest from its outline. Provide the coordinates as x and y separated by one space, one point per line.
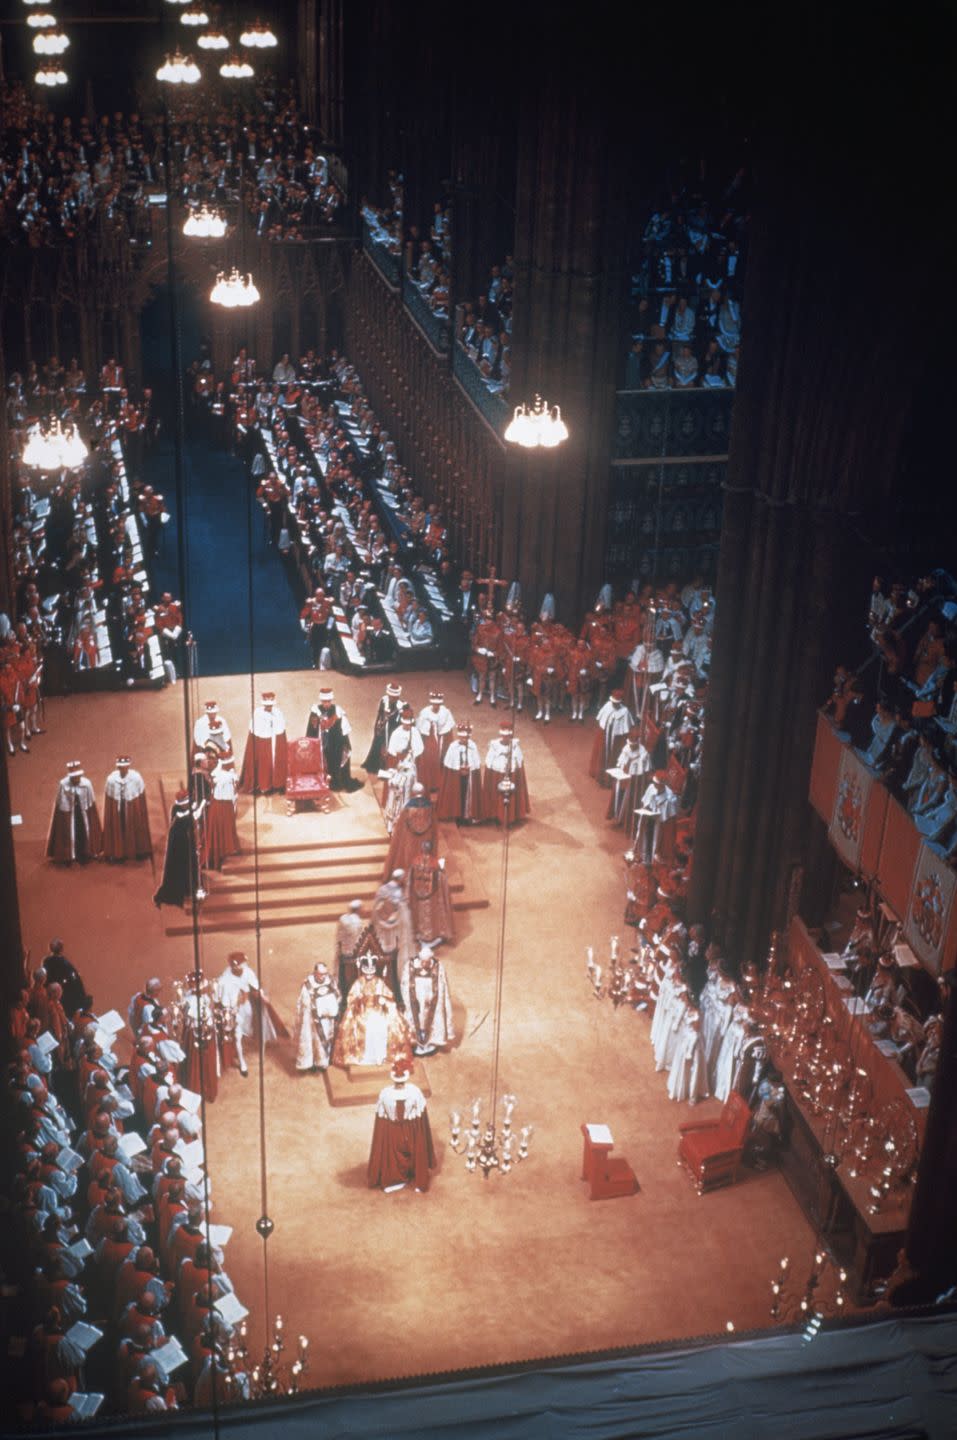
929 916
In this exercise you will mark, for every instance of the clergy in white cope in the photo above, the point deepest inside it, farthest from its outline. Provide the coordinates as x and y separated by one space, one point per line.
317 1012
428 1004
236 988
614 720
264 760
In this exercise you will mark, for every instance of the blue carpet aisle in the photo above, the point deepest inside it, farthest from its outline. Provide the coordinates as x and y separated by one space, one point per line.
219 499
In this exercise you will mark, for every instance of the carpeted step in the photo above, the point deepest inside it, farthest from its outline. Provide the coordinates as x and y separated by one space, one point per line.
356 842
301 882
281 867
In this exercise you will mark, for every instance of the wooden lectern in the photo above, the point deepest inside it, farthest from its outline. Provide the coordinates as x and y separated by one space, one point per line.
607 1177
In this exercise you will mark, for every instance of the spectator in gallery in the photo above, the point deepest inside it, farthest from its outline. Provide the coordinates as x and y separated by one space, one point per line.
682 320
659 367
635 364
685 368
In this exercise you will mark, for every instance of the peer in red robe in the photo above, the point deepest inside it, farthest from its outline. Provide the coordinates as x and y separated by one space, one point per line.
402 1152
75 830
222 837
505 761
126 825
264 760
460 792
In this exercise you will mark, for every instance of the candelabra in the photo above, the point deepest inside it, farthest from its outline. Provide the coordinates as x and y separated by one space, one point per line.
273 1375
480 1144
619 984
823 1294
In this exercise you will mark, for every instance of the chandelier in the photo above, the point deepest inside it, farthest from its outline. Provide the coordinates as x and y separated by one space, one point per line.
195 15
258 37
42 21
55 448
542 425
50 42
236 69
205 224
234 291
213 40
178 69
50 74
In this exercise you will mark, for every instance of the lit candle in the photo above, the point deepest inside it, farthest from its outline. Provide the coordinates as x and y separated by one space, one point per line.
476 1111
614 947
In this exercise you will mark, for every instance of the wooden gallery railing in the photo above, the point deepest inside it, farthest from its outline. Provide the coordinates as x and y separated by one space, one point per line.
454 458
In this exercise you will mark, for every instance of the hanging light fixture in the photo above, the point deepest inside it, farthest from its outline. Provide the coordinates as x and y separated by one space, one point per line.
235 68
195 15
35 2
50 74
234 291
258 37
55 448
542 425
205 224
50 42
178 69
213 40
41 20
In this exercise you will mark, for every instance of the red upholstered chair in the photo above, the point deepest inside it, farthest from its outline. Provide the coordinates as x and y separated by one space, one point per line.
711 1150
306 774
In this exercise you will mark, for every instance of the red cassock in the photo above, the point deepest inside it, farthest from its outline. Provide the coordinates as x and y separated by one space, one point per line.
402 1152
126 825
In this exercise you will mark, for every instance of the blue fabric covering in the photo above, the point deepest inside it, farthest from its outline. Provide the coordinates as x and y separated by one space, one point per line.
221 504
887 1380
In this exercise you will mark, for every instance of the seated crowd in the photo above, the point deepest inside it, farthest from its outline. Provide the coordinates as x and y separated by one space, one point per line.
484 329
900 708
61 177
84 543
119 1291
371 556
224 148
685 319
482 326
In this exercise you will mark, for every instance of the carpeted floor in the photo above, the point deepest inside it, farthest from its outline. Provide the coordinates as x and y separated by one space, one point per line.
475 1272
228 554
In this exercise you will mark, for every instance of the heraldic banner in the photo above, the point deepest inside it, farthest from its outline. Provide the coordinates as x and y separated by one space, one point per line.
851 797
828 749
930 920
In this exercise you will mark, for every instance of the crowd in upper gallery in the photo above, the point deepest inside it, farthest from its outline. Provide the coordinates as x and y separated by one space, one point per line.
483 323
85 540
899 708
62 177
117 1282
685 307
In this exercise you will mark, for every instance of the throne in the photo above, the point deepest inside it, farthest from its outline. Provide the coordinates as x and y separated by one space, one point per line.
711 1150
305 774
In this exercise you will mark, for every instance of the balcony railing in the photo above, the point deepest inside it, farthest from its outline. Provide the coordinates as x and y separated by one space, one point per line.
494 408
435 327
381 256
